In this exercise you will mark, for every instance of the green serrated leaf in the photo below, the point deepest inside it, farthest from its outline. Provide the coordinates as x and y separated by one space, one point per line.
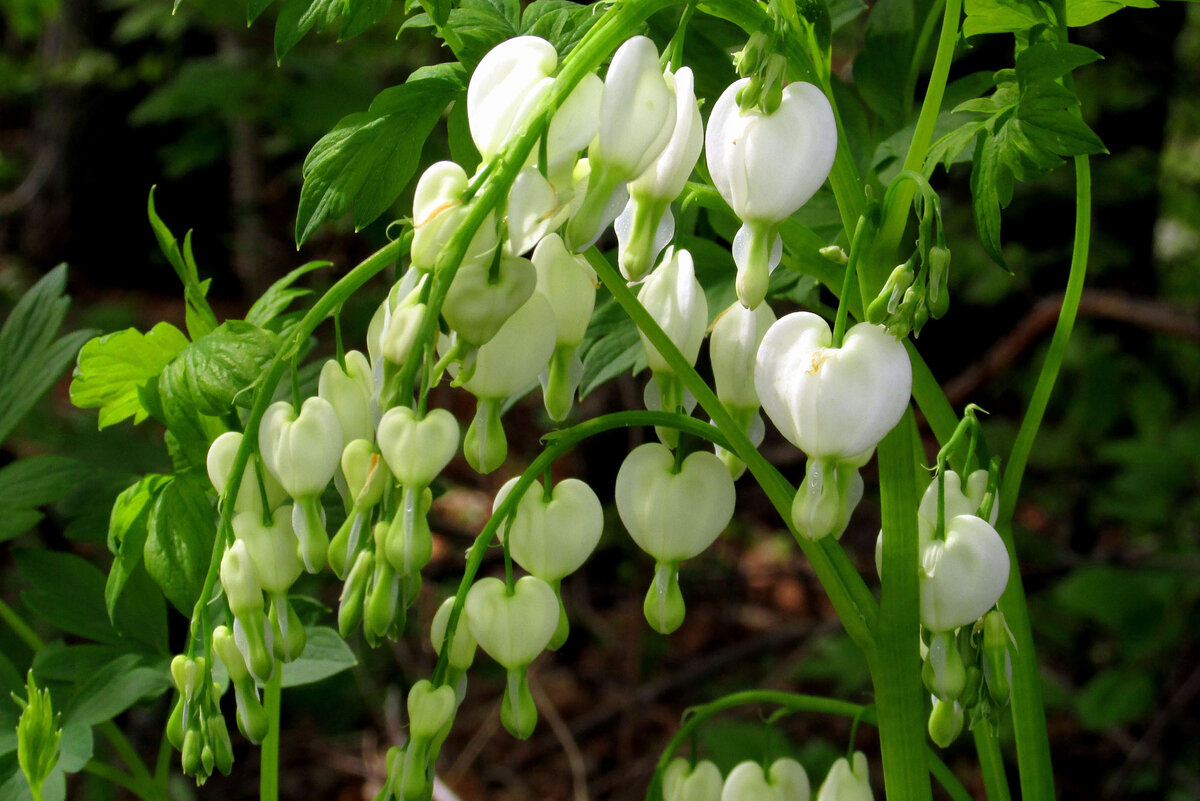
31 359
115 687
298 17
281 294
359 15
1085 12
198 314
67 591
255 8
1003 16
1048 61
560 22
179 542
325 654
368 158
985 190
209 374
32 482
111 369
128 528
1060 132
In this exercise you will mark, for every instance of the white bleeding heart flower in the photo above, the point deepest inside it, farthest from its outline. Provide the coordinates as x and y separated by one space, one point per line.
438 210
958 501
847 783
963 576
272 549
552 537
221 455
429 708
240 582
350 391
683 781
832 403
785 781
478 303
646 225
676 301
569 283
509 363
733 348
462 647
404 293
673 515
637 116
302 451
417 450
512 628
766 166
505 88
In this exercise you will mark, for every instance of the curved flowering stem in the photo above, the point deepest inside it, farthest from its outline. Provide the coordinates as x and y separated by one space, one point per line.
558 443
787 703
333 298
850 596
597 44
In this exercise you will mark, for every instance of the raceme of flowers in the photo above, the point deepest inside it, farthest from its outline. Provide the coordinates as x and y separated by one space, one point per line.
618 150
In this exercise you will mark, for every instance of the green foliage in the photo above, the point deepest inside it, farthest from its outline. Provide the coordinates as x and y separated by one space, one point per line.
31 357
113 369
1026 127
179 539
38 734
281 294
128 528
365 161
212 373
199 315
325 654
30 483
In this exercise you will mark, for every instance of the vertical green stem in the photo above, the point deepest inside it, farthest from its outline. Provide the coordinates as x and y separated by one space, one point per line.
895 662
991 763
1028 710
268 778
895 215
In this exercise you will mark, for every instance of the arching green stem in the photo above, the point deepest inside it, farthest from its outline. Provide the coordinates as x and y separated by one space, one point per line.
557 444
696 717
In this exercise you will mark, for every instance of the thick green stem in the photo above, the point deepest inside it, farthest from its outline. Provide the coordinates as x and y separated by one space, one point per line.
268 776
991 764
895 662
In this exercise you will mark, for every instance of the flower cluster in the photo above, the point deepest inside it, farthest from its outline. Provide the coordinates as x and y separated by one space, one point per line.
513 313
783 780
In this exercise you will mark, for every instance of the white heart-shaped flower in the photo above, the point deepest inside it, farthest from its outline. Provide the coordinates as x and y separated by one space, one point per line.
787 781
673 515
963 576
552 537
512 629
683 781
832 403
416 451
301 450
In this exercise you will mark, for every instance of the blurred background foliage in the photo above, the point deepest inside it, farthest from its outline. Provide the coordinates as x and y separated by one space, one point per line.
99 100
